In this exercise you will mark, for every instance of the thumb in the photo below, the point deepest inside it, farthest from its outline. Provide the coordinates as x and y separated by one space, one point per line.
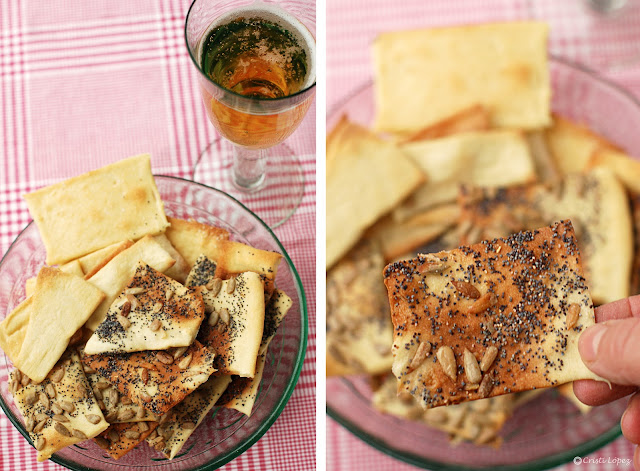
611 349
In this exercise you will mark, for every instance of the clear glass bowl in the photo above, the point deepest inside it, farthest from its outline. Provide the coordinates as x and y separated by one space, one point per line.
225 434
548 431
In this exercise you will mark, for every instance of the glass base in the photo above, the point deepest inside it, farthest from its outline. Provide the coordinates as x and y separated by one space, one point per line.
275 200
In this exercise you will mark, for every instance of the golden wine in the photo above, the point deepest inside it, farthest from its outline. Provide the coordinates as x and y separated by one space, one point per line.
258 53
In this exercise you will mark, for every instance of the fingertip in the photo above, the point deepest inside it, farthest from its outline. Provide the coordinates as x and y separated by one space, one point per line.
597 393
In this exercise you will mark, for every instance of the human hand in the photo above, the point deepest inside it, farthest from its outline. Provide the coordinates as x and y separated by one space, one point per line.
611 349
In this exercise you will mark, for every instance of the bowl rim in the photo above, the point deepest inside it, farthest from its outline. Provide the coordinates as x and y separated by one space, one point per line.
224 458
542 463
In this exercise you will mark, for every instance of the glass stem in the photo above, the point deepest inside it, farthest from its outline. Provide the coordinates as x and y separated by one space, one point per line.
249 167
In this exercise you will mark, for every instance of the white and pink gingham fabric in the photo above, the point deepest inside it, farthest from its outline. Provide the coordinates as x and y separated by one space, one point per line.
351 27
86 83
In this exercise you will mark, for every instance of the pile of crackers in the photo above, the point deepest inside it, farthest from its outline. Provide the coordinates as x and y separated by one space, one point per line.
463 148
140 323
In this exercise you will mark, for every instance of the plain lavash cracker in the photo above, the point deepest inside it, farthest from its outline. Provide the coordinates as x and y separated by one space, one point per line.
91 211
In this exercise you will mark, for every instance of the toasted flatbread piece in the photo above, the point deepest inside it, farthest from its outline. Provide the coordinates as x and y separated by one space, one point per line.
236 312
119 439
73 268
424 76
93 262
474 118
571 145
245 396
192 238
369 178
492 158
546 166
499 317
36 405
61 304
13 328
164 315
85 213
478 422
595 202
113 277
359 332
186 416
118 409
180 270
624 167
167 384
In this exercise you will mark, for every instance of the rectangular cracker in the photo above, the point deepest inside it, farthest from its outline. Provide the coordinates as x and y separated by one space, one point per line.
235 342
113 277
167 384
70 389
245 396
88 212
514 295
129 324
367 180
359 331
119 439
474 118
13 328
595 202
93 262
187 416
424 76
61 304
571 144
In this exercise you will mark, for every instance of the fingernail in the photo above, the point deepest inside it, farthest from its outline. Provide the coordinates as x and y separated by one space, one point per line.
589 342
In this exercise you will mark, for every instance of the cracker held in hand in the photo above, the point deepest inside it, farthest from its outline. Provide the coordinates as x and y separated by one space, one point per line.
153 312
88 212
424 76
497 317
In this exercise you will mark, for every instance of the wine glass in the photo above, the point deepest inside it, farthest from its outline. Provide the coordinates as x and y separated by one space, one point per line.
599 34
256 71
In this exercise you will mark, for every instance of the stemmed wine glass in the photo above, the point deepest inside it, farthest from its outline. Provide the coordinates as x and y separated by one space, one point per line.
256 71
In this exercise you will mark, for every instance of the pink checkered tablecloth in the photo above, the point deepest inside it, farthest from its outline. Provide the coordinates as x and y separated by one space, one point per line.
351 27
86 83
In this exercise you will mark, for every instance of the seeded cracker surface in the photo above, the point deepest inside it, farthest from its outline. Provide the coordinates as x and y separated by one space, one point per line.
497 317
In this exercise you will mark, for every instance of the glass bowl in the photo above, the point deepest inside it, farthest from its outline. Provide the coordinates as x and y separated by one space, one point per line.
226 433
548 431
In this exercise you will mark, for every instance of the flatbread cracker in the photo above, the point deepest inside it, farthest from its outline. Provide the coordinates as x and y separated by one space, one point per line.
167 383
571 145
596 203
474 118
164 315
186 416
359 332
497 317
492 158
624 167
91 211
36 404
369 178
113 277
424 76
235 317
119 439
245 396
93 262
13 328
180 270
61 304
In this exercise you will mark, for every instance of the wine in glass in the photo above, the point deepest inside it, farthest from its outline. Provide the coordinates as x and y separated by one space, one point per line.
256 70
